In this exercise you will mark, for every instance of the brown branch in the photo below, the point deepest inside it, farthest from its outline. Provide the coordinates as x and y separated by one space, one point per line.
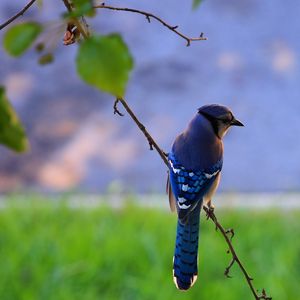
235 259
116 111
20 13
227 234
149 138
68 5
227 270
149 16
231 232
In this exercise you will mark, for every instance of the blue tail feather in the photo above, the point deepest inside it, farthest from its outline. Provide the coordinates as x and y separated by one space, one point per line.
185 267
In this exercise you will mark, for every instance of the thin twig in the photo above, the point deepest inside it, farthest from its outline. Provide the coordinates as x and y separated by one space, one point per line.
20 13
227 270
227 234
67 5
149 16
211 215
231 232
149 138
116 111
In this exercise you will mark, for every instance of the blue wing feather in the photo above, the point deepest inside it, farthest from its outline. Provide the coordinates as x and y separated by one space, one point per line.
189 186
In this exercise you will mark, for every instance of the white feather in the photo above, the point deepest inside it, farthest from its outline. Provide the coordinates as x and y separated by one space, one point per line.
208 176
185 187
181 200
183 206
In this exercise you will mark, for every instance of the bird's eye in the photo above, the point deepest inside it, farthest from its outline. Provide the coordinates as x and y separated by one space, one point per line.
225 120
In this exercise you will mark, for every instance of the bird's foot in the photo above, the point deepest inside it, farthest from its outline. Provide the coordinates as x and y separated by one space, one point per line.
210 206
210 210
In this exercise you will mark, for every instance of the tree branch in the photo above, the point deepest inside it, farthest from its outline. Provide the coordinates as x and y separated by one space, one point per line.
149 138
20 13
235 259
149 16
227 234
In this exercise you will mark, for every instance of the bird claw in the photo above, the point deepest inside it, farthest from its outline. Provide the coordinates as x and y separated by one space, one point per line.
210 205
210 211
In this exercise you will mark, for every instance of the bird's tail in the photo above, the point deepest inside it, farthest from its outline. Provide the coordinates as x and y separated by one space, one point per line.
185 267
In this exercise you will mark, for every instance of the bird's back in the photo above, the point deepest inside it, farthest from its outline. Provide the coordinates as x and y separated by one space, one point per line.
198 148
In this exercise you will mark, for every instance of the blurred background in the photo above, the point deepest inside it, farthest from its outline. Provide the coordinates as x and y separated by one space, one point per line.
249 63
76 247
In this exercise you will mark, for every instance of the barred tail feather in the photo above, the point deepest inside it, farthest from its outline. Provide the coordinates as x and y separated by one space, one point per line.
185 267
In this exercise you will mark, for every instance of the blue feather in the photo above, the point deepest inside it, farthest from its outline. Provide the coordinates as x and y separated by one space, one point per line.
185 267
189 187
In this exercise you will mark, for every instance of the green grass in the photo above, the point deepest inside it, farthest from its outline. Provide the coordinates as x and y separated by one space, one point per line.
49 251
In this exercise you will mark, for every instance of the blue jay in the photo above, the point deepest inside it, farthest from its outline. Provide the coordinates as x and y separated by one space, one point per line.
195 164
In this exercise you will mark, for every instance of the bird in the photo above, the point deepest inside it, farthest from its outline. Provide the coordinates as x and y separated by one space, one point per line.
195 164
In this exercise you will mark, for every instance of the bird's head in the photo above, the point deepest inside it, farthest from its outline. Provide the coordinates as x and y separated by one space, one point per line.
220 117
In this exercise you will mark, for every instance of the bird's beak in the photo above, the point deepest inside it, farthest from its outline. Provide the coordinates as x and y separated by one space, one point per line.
236 122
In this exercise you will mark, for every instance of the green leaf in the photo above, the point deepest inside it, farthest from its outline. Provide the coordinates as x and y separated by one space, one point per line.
20 37
12 133
82 7
196 3
105 62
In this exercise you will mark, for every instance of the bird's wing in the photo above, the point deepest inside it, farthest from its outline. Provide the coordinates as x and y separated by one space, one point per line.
190 186
172 199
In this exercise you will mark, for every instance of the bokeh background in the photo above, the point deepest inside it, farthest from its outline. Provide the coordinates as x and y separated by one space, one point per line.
249 63
74 246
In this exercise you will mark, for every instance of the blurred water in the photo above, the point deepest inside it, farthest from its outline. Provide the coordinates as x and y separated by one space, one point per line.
250 63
